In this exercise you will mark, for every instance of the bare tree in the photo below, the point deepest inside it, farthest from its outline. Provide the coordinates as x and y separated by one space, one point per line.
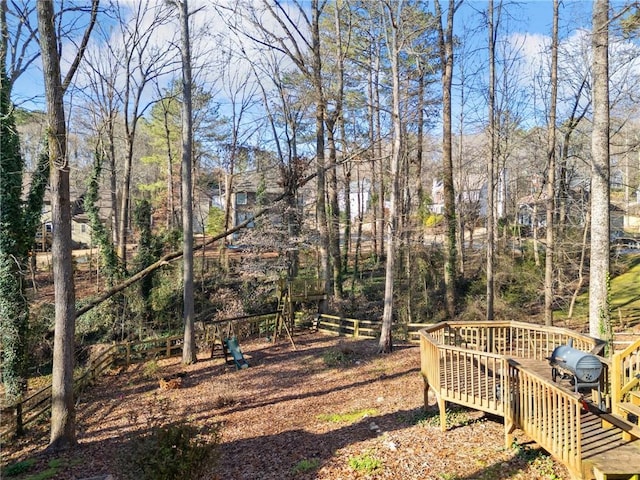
241 92
300 44
62 407
189 346
551 175
491 165
599 316
18 54
393 22
445 45
100 74
334 122
142 63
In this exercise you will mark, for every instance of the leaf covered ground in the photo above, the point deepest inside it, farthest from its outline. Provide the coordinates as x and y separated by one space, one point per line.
329 409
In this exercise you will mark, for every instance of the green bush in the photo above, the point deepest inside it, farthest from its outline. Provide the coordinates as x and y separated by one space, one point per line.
169 452
334 358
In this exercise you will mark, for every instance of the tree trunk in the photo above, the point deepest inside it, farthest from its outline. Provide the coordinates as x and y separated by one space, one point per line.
113 182
583 254
381 163
189 347
372 153
386 343
551 176
445 40
171 208
123 220
491 169
334 208
599 316
321 211
62 405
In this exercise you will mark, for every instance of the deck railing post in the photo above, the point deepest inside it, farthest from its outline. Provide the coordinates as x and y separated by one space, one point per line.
616 382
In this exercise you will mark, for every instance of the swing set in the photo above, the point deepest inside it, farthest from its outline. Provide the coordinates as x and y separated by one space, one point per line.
223 332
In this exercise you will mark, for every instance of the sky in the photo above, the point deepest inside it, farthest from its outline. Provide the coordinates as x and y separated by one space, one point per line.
526 25
534 16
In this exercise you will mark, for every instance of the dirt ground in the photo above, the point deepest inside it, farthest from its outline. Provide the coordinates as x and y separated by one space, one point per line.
329 409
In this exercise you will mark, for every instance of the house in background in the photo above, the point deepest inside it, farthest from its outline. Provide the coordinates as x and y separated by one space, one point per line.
471 191
259 185
80 225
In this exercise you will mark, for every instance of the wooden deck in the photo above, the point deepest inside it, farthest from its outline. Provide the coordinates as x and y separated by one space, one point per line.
603 446
502 368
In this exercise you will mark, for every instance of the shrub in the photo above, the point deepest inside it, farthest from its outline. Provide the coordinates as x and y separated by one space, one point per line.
176 451
333 358
433 220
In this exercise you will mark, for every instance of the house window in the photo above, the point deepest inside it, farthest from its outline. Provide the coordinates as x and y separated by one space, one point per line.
241 198
83 228
242 216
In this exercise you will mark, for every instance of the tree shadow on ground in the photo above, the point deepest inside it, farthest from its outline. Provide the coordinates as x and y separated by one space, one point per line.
525 456
278 455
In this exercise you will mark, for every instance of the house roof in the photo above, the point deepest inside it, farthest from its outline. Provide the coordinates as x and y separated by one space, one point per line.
251 181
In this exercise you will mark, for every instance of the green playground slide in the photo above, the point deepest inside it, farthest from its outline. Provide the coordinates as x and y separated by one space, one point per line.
234 349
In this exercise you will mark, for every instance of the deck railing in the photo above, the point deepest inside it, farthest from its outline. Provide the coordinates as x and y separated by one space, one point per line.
547 414
515 339
625 374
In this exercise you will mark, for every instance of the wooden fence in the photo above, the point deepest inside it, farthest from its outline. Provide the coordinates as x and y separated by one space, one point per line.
14 418
352 327
144 350
33 408
36 406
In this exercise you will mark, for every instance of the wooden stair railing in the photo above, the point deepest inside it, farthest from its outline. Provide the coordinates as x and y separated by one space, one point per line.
625 388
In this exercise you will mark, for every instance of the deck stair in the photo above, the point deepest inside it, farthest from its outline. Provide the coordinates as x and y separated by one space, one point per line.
632 407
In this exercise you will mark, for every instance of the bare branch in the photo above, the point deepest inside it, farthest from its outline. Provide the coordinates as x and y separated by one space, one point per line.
83 45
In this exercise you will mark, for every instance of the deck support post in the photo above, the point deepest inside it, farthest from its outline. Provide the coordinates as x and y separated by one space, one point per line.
442 407
426 393
509 428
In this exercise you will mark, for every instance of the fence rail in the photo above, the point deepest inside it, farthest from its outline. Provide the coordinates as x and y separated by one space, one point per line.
358 328
30 410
